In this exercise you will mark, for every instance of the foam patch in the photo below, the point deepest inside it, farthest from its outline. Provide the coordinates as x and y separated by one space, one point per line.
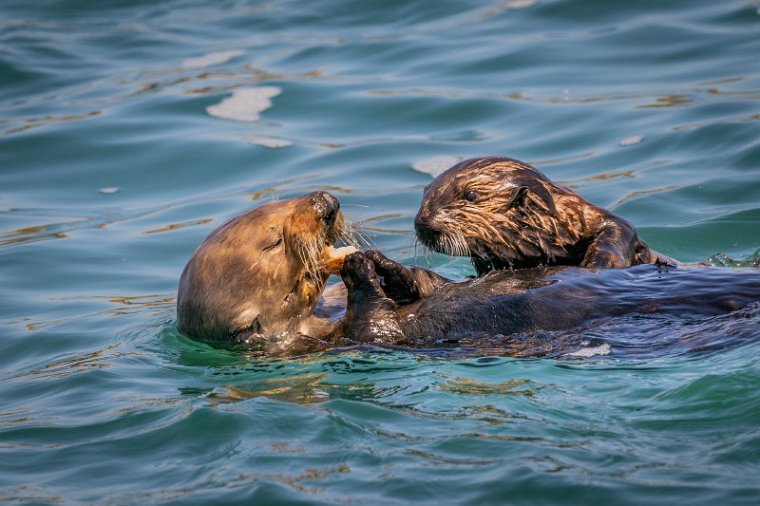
245 104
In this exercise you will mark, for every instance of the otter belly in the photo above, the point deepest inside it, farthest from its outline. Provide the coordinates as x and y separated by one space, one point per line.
496 304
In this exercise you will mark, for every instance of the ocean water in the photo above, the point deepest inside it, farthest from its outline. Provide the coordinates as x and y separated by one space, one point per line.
130 129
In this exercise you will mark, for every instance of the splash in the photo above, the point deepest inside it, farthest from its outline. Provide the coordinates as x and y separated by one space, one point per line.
590 351
721 259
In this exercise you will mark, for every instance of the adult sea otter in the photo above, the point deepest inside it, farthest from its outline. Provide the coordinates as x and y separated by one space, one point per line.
522 232
506 214
258 277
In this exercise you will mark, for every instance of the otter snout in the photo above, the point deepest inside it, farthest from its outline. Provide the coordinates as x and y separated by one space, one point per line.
425 230
325 205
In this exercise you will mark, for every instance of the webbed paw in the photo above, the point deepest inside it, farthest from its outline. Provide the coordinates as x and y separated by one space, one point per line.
397 281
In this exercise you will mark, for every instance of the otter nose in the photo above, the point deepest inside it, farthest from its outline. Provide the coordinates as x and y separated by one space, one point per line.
425 230
326 206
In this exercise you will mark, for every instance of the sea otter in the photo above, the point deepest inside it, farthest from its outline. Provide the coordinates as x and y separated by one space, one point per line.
258 277
503 213
523 233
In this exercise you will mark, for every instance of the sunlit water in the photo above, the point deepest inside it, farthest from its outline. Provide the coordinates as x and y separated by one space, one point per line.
130 130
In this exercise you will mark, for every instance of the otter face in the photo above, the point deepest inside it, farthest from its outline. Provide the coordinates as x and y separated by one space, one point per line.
499 211
262 272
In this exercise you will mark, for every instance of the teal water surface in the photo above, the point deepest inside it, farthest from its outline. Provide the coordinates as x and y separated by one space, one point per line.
130 129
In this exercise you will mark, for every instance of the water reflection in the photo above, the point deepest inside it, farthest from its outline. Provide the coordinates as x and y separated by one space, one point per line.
34 122
300 389
469 386
636 194
79 363
667 101
56 230
157 304
177 226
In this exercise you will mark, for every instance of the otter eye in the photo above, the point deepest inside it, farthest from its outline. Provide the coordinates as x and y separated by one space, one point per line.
471 196
273 245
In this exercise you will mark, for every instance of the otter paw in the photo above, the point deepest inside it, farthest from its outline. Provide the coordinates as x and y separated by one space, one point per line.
382 262
357 266
397 281
358 273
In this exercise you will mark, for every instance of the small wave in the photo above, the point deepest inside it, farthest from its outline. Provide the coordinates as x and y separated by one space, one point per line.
723 260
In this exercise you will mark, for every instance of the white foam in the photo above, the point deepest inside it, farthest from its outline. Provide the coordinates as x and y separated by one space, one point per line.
109 190
435 165
210 59
633 139
245 104
269 142
602 349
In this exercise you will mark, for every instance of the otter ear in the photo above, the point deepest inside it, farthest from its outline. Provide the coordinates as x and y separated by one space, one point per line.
517 197
542 197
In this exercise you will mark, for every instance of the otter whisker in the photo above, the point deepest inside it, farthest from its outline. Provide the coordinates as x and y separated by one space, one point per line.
455 244
352 236
309 254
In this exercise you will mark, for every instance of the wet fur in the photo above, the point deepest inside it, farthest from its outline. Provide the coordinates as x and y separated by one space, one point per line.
519 229
508 307
258 277
503 213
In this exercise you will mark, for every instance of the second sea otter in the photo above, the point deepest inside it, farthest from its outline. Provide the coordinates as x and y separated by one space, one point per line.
506 214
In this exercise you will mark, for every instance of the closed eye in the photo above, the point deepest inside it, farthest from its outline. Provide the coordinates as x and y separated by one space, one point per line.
273 245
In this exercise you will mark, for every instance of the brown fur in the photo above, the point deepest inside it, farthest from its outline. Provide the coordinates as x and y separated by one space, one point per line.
259 276
506 214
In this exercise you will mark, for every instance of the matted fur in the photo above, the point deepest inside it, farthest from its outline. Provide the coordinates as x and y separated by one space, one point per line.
506 214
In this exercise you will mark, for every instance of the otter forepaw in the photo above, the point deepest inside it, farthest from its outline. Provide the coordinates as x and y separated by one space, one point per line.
382 262
397 281
358 273
370 315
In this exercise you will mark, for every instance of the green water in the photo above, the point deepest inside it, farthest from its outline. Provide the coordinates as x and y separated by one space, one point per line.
118 155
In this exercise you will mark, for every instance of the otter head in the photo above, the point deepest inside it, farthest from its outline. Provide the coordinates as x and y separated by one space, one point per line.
261 273
500 212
